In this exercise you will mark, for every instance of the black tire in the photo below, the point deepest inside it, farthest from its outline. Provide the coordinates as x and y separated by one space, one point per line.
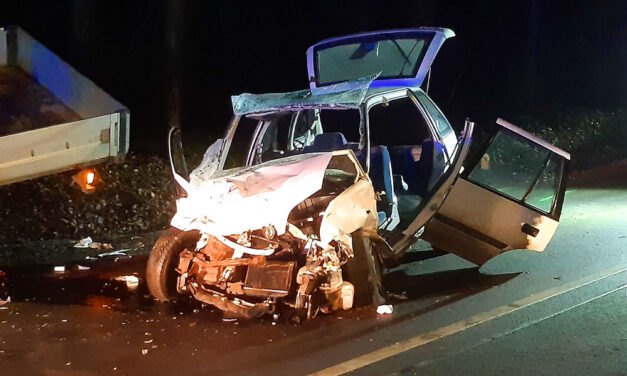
364 271
160 270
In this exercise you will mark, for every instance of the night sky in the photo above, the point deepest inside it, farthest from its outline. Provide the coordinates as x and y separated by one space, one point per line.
179 61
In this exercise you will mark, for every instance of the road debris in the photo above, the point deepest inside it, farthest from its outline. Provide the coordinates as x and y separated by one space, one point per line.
81 267
5 301
83 243
59 269
385 309
131 281
121 252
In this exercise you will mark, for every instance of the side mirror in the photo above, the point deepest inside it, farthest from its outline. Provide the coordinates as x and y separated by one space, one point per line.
177 157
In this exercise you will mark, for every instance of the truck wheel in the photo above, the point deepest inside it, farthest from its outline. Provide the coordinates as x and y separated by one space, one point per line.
364 271
160 273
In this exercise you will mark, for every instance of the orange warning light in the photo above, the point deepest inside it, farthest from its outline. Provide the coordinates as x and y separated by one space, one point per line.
86 180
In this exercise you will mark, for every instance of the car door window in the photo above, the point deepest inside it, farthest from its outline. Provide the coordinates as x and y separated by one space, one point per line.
519 169
441 123
274 139
543 194
240 144
305 127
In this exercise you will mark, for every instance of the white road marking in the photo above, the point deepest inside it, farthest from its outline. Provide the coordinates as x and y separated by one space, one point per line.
424 338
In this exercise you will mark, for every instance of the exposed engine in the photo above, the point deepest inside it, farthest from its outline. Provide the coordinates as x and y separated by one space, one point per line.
293 255
246 274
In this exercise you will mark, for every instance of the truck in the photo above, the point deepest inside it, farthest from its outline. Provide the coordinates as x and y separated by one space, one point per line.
52 118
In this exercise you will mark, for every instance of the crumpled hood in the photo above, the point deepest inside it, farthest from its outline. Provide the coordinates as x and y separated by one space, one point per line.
231 202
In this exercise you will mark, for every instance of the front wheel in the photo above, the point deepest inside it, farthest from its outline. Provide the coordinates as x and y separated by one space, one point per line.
160 270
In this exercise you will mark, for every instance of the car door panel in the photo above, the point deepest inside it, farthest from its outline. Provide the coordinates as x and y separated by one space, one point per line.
512 201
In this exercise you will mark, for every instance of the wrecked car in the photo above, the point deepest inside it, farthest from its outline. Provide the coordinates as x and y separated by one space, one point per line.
311 194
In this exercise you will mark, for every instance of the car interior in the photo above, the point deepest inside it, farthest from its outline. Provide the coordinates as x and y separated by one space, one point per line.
405 162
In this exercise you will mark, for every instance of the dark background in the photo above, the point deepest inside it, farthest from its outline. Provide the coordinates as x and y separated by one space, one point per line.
179 61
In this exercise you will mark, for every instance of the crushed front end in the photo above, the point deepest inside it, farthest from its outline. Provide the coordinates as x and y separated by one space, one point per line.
279 232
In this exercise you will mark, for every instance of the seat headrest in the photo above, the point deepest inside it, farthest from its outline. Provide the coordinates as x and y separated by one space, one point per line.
328 142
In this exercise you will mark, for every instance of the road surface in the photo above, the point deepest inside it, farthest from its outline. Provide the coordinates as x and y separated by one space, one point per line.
561 312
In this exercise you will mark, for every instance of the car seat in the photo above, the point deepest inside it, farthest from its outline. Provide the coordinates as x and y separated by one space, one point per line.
381 176
324 142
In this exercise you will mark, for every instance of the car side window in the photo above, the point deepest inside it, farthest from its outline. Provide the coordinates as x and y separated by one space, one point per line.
520 169
305 127
543 194
240 144
441 123
274 139
398 122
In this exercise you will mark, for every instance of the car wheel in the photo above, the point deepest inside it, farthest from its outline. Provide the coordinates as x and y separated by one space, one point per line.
364 271
160 270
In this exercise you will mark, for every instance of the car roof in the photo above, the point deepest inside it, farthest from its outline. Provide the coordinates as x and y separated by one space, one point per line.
341 96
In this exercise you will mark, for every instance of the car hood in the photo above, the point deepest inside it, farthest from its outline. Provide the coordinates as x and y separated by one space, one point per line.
233 201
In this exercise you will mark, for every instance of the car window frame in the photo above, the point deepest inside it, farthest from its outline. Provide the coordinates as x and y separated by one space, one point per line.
392 95
450 127
556 206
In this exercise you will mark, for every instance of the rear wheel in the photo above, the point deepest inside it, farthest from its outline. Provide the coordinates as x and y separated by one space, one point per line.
160 270
365 271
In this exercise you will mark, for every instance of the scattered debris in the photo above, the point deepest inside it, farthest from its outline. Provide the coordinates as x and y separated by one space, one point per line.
144 351
81 267
83 243
121 252
131 281
385 309
59 269
5 302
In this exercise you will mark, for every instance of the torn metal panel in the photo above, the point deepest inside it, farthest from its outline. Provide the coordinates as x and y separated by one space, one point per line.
353 209
269 190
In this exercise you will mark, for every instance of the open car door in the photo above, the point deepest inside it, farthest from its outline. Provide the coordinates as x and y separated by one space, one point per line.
509 196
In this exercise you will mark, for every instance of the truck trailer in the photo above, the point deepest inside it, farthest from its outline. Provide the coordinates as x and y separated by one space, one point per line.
52 118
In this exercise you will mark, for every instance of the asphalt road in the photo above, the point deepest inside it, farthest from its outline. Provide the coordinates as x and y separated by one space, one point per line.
561 312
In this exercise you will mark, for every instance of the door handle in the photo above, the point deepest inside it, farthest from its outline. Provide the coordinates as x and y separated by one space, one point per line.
530 230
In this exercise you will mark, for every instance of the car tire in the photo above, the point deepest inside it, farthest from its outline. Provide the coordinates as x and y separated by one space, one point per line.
160 270
364 270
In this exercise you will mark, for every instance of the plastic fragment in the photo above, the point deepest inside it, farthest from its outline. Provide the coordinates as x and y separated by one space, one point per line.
385 309
121 252
83 243
59 269
81 267
131 281
5 302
